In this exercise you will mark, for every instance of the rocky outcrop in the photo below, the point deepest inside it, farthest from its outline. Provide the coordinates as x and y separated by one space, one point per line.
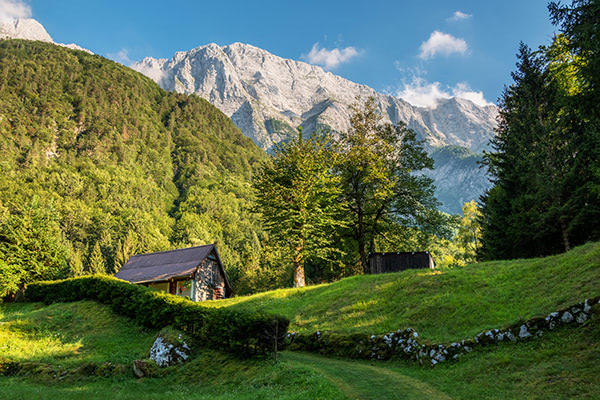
30 29
169 349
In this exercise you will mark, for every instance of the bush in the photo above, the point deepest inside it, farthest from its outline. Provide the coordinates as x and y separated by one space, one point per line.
239 332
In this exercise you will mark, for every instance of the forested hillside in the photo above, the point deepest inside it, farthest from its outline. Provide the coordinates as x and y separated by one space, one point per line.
99 163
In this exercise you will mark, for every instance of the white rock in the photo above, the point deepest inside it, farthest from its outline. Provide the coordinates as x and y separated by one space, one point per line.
567 317
523 332
581 318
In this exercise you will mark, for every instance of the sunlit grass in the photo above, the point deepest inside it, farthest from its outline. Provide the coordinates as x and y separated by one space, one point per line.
71 333
444 305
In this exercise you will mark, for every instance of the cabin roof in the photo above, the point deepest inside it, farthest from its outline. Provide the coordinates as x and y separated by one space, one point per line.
165 265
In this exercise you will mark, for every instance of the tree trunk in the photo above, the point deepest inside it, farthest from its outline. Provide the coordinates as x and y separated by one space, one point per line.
361 242
565 234
299 280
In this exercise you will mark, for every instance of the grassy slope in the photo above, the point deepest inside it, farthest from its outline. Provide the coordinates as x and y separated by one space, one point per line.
442 305
59 344
561 365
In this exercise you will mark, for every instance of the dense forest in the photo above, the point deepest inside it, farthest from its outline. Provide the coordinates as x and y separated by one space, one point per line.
545 165
99 163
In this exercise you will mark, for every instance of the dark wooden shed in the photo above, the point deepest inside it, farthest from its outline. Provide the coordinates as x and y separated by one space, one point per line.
380 263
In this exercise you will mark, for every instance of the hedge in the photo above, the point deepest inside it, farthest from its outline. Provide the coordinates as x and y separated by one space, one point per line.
239 332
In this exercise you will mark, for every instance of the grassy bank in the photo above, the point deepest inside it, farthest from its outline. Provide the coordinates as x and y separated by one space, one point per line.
441 305
560 365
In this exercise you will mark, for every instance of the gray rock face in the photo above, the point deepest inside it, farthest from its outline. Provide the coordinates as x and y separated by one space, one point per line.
30 29
268 97
165 352
252 87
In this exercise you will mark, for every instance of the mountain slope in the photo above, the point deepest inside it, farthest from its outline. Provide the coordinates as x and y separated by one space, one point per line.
268 97
30 29
115 163
253 86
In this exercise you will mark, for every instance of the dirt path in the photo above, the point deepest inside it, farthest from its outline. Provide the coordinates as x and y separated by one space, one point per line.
361 381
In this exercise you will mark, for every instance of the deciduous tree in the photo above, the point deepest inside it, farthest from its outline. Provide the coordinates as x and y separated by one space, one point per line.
297 195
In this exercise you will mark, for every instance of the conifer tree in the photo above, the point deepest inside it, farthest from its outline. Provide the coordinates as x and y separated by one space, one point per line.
96 265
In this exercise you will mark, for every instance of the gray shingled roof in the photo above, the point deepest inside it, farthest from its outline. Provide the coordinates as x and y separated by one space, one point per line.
164 265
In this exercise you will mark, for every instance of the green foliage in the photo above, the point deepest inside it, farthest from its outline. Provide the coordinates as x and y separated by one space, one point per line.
468 237
126 167
241 332
96 261
30 247
297 195
545 166
379 185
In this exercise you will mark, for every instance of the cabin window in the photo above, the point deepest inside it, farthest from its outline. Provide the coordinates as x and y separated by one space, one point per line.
184 288
164 286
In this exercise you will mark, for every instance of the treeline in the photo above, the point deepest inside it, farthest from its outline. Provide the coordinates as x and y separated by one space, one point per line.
98 163
330 200
546 160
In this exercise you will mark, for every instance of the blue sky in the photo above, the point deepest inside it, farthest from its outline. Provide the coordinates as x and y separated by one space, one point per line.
419 50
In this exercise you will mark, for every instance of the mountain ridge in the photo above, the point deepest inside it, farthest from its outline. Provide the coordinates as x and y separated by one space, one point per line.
252 86
268 97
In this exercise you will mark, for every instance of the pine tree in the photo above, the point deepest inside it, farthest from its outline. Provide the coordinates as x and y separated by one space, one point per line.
96 263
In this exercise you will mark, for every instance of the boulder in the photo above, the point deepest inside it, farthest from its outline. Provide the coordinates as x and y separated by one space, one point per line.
144 368
169 348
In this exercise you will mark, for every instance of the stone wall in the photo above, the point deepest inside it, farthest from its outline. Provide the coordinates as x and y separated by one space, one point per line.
209 283
407 344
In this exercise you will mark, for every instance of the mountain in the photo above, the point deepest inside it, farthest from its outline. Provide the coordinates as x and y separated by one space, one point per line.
268 97
30 29
99 163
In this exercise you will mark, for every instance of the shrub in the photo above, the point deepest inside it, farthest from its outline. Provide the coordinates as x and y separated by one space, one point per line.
239 332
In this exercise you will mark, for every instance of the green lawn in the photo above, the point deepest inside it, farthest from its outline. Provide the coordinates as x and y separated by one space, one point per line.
442 305
82 350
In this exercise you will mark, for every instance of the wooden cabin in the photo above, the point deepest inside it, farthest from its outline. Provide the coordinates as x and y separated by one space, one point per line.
195 272
380 263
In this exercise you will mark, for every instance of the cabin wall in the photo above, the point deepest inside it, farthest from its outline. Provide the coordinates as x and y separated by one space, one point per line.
209 283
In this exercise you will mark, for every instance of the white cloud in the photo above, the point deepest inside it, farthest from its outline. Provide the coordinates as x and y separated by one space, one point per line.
13 9
459 16
464 91
421 93
443 43
122 56
329 58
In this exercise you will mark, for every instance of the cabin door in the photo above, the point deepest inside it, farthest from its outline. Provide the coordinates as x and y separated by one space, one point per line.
173 287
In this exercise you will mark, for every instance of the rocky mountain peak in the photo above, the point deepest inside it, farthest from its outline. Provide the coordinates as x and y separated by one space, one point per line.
29 29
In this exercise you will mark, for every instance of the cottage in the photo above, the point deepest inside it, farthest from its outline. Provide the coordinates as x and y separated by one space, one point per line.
195 272
380 263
